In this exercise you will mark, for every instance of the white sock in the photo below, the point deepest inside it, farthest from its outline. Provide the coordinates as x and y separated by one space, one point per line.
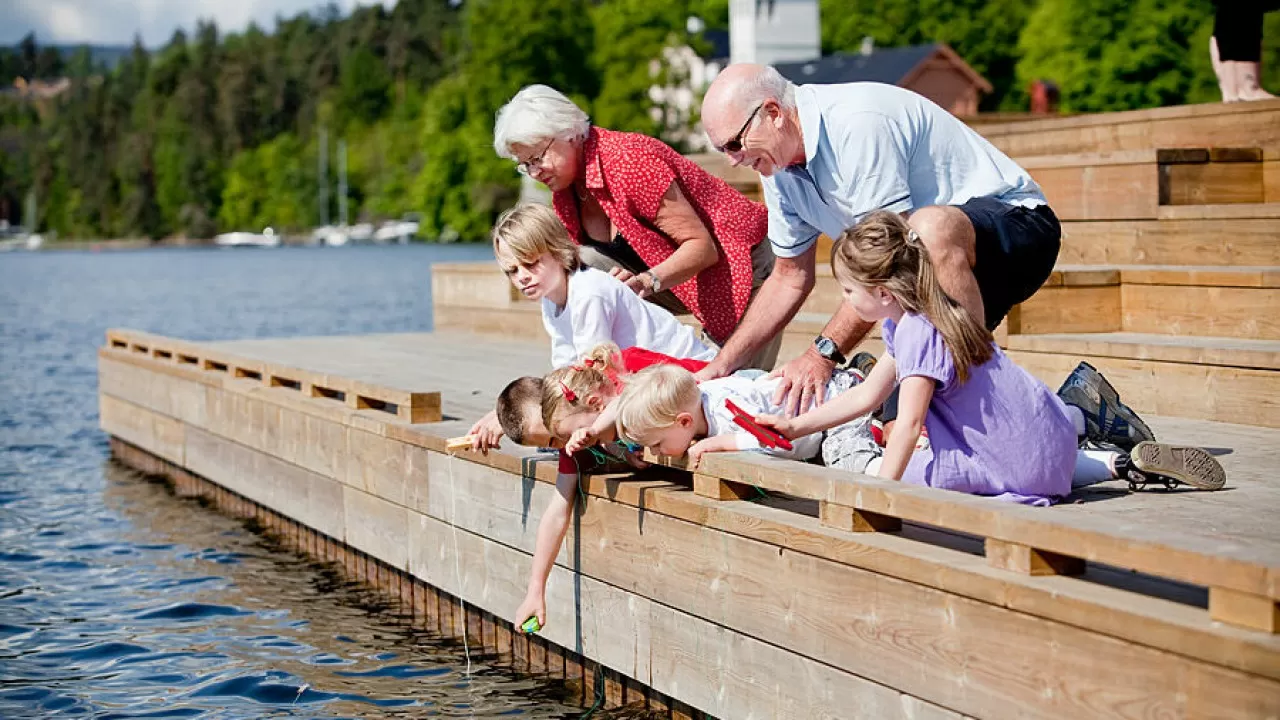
1077 419
1093 466
873 467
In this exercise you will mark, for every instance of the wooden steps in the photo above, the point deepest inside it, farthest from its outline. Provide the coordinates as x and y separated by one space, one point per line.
1223 234
1135 184
1226 301
1218 379
1252 124
1240 302
1247 234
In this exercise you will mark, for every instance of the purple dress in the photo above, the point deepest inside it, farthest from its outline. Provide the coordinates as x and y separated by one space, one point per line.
1002 433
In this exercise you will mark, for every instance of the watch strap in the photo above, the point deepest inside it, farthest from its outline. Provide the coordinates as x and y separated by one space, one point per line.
834 355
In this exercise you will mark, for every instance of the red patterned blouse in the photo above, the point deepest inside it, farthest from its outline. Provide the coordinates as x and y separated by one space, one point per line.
627 174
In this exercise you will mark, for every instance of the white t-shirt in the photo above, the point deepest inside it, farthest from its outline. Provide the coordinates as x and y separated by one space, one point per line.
602 309
870 146
754 397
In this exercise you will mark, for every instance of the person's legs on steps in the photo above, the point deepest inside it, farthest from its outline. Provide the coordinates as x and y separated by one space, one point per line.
1236 49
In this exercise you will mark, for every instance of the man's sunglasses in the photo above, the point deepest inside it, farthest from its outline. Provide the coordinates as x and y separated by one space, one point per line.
735 144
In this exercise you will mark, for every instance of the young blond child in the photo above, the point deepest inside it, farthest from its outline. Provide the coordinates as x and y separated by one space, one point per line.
665 409
994 429
581 307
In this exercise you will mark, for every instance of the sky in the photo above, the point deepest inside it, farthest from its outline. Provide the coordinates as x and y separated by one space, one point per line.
115 22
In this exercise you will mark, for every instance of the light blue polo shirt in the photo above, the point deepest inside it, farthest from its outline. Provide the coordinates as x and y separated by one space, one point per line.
870 146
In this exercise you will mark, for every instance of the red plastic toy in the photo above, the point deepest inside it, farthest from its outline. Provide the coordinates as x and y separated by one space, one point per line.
767 436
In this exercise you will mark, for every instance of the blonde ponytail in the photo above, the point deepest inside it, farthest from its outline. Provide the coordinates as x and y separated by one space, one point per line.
882 250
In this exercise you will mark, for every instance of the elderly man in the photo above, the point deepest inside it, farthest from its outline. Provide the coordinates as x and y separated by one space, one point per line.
829 155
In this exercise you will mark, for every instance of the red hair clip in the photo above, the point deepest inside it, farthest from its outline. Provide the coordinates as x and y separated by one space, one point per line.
569 395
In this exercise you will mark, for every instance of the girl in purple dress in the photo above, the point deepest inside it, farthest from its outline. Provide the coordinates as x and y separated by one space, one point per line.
993 428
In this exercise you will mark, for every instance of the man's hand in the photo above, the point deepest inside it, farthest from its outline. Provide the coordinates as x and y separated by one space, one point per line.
804 382
581 439
534 604
710 372
486 433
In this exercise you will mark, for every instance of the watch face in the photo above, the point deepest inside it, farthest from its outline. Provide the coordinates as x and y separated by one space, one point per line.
826 346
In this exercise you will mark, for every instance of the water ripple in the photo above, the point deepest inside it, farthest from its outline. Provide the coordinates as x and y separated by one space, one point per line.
121 601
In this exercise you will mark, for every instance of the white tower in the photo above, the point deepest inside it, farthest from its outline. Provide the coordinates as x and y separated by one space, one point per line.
774 31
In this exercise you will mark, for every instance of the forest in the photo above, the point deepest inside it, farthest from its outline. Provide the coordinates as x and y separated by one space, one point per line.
221 131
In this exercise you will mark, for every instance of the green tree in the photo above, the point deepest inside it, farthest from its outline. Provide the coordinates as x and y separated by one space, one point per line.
630 36
507 44
364 88
1118 56
983 32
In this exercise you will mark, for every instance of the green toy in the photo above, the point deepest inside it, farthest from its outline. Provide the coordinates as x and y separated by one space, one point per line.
531 625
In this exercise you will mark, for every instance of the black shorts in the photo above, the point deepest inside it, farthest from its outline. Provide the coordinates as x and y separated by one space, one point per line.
1016 249
1237 26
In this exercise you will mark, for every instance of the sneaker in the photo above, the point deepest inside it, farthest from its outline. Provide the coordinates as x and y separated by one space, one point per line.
863 362
1107 420
1173 464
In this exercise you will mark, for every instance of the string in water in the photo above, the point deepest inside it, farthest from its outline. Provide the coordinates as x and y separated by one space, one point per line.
457 563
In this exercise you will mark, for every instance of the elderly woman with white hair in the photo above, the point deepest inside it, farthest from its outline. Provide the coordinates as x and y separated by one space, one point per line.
643 212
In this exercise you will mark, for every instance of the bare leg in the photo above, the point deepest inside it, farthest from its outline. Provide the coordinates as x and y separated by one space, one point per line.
952 243
1247 77
1226 78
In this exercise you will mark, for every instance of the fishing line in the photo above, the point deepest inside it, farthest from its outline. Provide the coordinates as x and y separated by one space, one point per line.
457 562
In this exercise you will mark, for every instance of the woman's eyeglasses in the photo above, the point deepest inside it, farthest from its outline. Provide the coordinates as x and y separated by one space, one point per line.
526 167
735 144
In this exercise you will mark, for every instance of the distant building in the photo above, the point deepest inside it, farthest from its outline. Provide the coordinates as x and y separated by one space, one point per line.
769 32
935 71
38 89
787 34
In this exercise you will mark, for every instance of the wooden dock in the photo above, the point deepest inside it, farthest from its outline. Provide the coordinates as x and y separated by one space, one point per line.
945 606
837 595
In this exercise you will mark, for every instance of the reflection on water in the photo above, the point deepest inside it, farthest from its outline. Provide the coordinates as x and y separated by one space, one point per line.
118 599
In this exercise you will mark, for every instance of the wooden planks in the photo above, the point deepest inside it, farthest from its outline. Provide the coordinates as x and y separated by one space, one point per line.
1165 555
992 588
1068 309
473 285
1254 124
1206 351
1176 240
1133 185
1250 313
1245 610
1201 392
406 405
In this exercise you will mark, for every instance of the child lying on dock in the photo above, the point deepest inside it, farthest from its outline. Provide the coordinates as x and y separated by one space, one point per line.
581 307
664 408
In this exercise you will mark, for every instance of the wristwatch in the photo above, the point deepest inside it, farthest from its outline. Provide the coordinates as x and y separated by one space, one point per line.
828 349
654 283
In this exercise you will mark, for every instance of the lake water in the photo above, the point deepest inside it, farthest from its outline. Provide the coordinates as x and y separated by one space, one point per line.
118 599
